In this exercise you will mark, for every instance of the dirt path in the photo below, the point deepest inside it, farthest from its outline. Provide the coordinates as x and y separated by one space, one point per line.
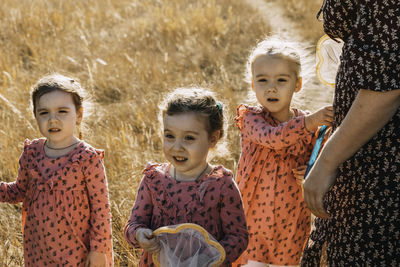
314 94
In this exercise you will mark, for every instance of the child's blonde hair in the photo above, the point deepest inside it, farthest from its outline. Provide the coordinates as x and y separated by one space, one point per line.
279 47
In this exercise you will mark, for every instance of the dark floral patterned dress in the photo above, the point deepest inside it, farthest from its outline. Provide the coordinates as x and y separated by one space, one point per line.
213 202
364 203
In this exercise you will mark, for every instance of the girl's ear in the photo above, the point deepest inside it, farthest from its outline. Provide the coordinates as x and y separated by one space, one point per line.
79 115
252 85
215 136
299 83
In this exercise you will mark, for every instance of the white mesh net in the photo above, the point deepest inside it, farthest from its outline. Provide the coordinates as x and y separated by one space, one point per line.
185 245
328 59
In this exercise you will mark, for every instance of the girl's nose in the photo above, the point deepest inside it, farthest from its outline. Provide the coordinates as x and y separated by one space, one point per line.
52 117
177 145
271 88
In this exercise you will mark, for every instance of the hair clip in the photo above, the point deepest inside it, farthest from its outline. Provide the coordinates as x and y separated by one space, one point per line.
219 105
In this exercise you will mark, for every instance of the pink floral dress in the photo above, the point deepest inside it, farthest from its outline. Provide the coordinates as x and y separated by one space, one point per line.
212 202
66 210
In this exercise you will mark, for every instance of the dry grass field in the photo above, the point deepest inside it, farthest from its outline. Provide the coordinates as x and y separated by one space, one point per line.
126 53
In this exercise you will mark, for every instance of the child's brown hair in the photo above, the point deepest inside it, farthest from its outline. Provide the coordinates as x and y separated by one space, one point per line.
197 100
56 82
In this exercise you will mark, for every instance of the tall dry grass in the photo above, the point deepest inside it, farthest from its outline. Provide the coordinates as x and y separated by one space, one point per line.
304 13
127 53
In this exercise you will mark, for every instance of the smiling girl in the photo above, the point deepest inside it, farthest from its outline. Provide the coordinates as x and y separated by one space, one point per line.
188 189
66 218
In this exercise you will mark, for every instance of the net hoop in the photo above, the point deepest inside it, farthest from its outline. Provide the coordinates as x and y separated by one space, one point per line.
205 234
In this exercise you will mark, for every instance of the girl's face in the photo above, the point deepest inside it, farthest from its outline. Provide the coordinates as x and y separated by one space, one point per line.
274 82
57 118
186 143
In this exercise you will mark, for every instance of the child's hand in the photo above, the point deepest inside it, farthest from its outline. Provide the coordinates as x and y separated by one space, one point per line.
96 259
146 240
299 173
323 116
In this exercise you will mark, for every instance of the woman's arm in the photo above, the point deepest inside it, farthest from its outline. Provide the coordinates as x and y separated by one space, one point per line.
370 111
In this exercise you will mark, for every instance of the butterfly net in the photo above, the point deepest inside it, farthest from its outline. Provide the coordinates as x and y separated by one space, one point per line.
328 59
185 245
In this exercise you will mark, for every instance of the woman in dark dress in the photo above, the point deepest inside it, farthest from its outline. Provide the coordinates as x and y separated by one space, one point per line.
354 186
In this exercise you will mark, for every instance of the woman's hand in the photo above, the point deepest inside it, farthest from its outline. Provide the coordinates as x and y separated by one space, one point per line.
147 240
318 182
96 259
369 112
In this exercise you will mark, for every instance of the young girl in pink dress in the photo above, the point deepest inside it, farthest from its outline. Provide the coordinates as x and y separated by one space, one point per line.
66 218
188 189
276 139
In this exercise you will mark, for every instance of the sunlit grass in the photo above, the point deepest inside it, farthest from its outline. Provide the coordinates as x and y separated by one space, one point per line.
127 54
304 14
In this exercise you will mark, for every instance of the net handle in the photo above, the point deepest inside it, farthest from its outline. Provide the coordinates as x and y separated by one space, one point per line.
316 149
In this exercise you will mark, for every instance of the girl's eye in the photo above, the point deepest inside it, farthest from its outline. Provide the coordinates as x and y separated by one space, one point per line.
262 80
282 80
168 136
41 113
189 138
63 111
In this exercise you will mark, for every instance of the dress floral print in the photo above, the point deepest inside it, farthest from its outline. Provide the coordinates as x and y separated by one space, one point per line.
212 202
277 218
364 203
66 211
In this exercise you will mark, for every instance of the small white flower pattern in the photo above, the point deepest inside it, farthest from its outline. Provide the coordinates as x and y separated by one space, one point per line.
364 203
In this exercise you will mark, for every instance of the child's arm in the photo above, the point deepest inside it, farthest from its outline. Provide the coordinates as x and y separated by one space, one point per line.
96 259
146 240
233 222
323 116
140 215
99 205
254 128
14 192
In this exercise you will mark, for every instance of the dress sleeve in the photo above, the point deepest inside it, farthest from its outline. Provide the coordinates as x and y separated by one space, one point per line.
141 213
100 210
372 50
14 192
256 129
233 219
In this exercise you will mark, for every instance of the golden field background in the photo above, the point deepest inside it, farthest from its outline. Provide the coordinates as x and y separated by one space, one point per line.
127 53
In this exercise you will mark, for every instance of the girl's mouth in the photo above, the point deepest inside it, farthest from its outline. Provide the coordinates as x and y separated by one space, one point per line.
271 99
54 130
179 159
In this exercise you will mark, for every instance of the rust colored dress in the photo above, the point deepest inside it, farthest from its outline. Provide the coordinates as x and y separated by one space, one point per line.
364 203
66 210
277 219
